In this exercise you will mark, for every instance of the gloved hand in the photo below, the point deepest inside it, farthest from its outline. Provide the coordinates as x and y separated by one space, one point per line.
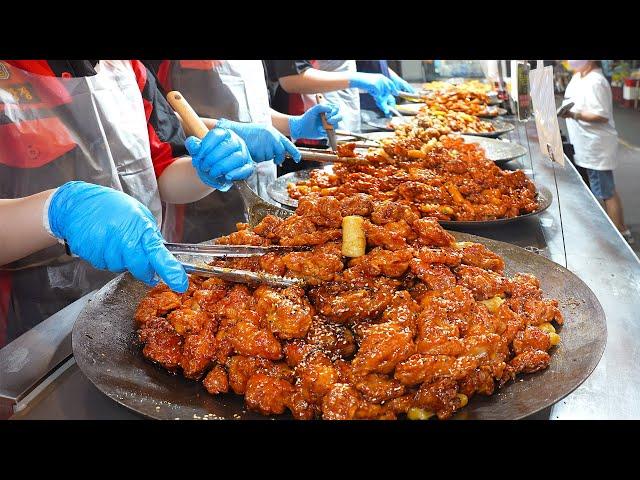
263 141
113 231
381 88
220 158
310 126
401 84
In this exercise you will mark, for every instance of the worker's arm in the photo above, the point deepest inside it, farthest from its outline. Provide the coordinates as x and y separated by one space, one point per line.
588 117
22 230
314 81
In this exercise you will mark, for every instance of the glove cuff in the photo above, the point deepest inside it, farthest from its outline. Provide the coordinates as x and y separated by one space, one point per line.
45 216
224 123
294 127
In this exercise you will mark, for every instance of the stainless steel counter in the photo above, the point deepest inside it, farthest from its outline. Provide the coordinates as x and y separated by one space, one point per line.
574 232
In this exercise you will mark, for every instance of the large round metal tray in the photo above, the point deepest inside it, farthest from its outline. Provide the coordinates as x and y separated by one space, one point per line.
496 150
277 190
389 124
414 108
105 348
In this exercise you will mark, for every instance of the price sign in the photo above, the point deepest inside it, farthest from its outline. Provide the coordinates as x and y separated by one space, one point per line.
544 110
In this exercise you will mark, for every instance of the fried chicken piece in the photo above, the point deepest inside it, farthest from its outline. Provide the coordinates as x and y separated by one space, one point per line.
402 311
216 381
383 262
525 285
483 283
382 348
295 351
387 236
248 339
347 303
477 255
531 338
445 255
336 341
440 397
287 311
359 204
240 368
297 230
322 211
316 375
386 212
437 335
436 276
530 361
321 264
273 263
431 233
188 319
267 395
479 381
268 227
341 403
236 303
198 351
163 345
378 388
242 237
536 311
158 301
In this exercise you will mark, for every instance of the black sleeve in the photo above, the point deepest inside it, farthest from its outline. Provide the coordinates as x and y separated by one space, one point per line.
282 68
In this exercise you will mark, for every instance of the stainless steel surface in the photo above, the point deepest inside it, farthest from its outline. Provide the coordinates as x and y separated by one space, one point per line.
594 251
31 357
241 276
108 353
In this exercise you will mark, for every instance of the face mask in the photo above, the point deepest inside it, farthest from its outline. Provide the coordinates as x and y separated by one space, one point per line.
577 64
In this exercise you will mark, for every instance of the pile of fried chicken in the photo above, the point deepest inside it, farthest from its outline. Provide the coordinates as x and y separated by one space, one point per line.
415 326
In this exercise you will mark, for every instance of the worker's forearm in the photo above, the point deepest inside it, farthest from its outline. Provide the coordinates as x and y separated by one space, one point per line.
280 122
21 230
590 117
314 81
179 183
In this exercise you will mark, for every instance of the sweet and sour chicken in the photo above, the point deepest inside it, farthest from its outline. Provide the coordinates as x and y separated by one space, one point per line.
415 327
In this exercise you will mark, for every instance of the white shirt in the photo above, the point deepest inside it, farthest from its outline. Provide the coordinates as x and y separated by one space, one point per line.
595 143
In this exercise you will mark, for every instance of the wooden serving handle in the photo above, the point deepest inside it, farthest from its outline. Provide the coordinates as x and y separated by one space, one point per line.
189 116
323 116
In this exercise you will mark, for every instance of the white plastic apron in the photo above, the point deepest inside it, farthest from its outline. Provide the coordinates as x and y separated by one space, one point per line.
348 100
99 123
235 90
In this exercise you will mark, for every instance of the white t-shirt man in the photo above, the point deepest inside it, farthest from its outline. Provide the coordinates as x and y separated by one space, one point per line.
595 143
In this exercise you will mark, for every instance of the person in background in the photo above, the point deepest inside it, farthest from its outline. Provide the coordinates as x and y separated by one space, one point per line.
367 102
338 80
233 94
592 132
104 123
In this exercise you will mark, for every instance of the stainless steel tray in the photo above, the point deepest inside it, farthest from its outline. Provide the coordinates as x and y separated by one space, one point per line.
389 124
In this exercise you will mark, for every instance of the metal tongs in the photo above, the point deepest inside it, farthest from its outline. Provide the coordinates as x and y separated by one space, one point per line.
232 274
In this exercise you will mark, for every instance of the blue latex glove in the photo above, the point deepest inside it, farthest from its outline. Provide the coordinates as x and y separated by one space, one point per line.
378 86
220 158
113 231
401 84
263 141
310 126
